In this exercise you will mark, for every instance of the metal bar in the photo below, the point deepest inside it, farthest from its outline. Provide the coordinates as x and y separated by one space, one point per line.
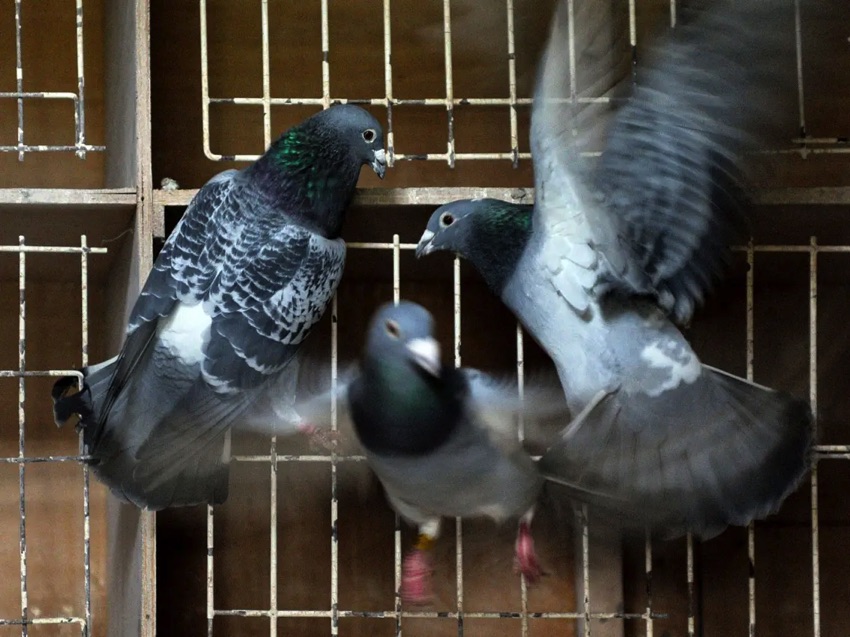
831 451
211 612
458 521
751 538
334 498
453 156
273 534
414 196
397 551
42 459
53 249
267 93
19 79
6 373
512 91
798 35
22 367
691 586
648 571
41 621
80 110
279 457
388 83
205 95
324 614
84 341
520 377
585 568
326 65
45 95
571 39
813 400
449 101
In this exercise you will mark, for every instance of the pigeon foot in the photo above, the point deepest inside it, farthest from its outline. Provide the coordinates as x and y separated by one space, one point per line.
416 573
525 561
320 438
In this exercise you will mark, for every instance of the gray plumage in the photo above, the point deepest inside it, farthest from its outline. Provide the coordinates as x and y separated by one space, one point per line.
241 280
613 250
442 441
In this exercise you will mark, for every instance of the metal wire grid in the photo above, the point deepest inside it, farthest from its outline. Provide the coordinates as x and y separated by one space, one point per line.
585 612
22 459
802 145
80 147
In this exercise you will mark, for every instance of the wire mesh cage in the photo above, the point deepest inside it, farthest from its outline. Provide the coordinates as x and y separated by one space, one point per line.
51 93
306 544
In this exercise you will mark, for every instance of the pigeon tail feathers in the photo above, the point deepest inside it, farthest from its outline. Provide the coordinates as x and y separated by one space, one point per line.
716 452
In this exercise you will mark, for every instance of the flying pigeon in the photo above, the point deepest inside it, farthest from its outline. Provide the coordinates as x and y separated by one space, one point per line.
247 272
612 253
442 441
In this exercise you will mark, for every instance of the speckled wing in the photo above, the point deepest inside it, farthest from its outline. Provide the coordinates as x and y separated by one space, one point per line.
233 293
263 310
183 271
259 315
656 213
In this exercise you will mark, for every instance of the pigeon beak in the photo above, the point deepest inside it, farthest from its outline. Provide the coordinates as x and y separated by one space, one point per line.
379 162
426 354
425 246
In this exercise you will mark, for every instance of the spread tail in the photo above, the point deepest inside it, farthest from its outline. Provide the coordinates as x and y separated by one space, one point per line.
720 451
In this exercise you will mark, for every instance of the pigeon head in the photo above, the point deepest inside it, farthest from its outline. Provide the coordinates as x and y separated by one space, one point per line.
490 233
360 132
405 333
311 171
405 402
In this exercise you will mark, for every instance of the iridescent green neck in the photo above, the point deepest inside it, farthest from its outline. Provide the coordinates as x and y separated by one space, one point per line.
310 174
399 411
501 231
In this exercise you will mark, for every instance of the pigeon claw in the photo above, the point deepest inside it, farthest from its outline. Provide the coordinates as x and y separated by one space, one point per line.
320 438
525 561
416 573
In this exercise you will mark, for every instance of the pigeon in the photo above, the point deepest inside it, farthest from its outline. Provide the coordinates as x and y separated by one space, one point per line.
613 255
247 272
442 441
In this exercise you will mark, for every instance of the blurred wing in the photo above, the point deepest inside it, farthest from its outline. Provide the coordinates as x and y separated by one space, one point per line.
697 457
498 407
668 193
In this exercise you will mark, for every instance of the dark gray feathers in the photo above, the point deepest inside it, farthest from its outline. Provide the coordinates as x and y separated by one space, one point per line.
668 194
247 272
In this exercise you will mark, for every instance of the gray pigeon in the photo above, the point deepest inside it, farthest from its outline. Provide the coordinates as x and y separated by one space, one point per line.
442 441
247 272
611 252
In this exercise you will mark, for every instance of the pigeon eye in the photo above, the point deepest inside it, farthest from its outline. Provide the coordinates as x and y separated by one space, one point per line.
393 329
447 219
369 135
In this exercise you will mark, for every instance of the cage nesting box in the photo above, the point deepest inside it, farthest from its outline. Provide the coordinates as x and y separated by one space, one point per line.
105 104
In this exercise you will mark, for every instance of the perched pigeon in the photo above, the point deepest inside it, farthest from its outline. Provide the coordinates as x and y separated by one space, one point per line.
442 441
247 272
611 251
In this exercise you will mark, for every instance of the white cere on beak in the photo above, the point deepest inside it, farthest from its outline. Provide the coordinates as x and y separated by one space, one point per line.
426 353
379 162
424 247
